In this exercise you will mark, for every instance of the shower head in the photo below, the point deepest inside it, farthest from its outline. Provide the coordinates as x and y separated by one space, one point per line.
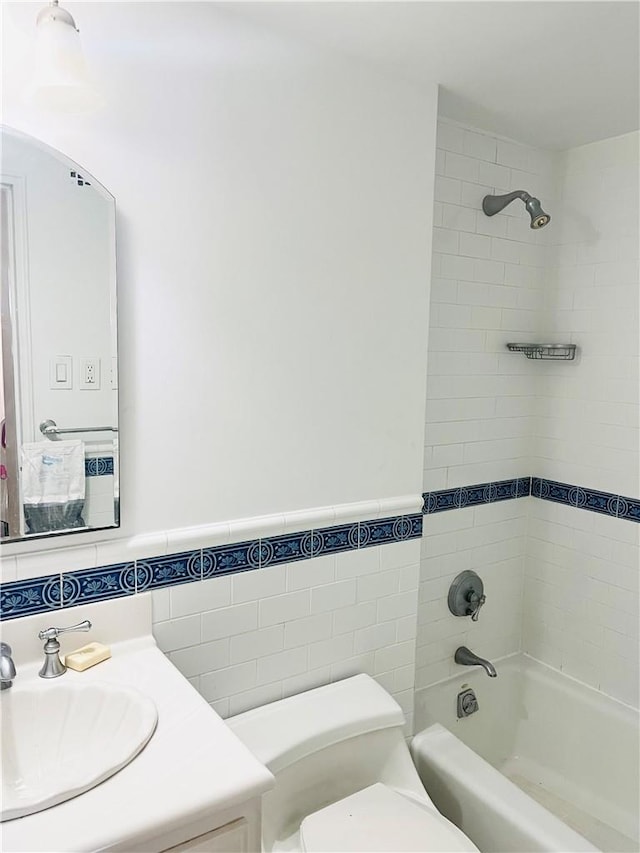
538 217
492 204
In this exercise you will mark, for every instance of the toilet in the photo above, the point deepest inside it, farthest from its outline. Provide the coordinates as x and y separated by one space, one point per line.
344 778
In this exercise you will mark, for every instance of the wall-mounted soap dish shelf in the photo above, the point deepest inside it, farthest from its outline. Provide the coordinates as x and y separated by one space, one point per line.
549 352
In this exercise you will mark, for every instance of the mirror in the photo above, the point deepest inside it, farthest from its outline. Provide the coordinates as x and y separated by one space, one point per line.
58 357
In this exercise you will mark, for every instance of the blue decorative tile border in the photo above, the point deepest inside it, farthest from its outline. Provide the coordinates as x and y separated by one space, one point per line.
606 503
628 508
91 585
38 595
481 493
98 466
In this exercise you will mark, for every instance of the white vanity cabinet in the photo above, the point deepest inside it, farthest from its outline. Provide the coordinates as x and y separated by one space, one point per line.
231 838
236 830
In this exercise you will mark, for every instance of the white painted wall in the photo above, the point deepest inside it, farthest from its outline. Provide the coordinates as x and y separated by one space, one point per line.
274 237
274 226
582 573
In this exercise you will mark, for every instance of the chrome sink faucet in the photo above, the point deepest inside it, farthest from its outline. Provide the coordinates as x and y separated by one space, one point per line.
465 657
7 667
53 666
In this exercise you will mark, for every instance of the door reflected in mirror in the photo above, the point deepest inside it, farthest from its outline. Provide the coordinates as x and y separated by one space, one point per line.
58 353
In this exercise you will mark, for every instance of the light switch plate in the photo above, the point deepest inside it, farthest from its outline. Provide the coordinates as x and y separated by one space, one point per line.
61 372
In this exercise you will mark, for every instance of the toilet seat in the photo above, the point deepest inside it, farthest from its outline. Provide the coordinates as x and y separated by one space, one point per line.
380 819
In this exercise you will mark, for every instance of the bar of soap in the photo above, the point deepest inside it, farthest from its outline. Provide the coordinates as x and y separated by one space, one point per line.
87 656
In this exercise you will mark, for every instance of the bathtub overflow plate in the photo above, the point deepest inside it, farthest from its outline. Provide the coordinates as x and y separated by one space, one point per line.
467 703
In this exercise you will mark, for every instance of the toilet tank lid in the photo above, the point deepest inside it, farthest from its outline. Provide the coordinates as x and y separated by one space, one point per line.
283 732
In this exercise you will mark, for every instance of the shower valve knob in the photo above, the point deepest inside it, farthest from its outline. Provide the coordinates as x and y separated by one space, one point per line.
466 595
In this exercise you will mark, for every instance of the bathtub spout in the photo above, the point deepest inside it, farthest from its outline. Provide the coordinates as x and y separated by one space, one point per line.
465 657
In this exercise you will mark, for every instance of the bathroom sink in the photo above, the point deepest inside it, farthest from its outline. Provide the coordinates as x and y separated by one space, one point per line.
59 741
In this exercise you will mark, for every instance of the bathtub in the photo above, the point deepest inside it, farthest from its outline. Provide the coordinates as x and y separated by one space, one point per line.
545 764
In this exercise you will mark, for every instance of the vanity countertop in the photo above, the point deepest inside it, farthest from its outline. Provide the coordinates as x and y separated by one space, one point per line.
192 768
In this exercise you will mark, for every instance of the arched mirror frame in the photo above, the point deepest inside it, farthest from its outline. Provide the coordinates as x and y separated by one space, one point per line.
66 216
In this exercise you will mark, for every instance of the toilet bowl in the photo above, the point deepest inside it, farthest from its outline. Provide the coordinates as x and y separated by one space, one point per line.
344 778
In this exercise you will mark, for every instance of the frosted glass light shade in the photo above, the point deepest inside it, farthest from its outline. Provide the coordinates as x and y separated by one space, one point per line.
61 81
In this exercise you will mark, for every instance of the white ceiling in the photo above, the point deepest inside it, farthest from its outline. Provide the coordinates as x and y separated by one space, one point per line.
552 73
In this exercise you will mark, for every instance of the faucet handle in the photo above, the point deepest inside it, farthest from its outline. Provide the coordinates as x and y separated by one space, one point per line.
52 633
477 602
5 649
53 666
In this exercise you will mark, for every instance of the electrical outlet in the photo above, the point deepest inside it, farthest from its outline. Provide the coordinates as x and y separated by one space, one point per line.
90 373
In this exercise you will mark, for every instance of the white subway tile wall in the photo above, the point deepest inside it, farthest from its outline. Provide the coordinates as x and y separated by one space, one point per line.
99 501
491 540
581 584
487 289
261 635
586 427
581 595
493 415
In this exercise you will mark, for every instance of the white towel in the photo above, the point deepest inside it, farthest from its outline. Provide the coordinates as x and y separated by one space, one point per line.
52 472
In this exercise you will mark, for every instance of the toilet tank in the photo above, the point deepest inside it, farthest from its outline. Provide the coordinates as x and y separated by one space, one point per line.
284 732
324 745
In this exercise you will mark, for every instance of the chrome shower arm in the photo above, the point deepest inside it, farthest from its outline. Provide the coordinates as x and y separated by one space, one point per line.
492 204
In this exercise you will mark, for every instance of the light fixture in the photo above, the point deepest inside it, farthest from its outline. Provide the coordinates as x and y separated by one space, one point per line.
61 80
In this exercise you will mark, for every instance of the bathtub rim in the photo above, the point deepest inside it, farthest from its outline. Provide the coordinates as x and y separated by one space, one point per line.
497 815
